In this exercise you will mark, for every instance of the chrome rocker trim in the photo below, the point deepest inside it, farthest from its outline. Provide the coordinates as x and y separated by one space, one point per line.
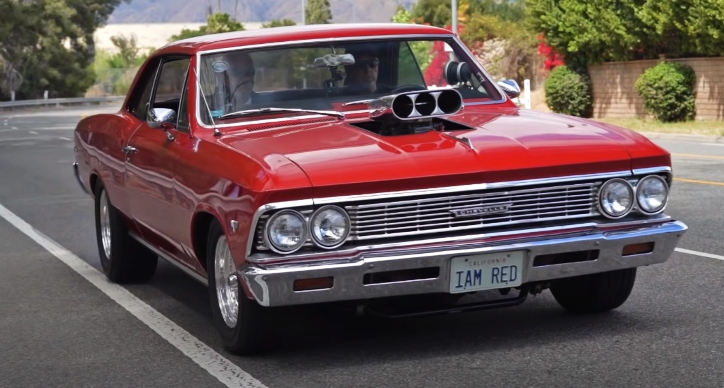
272 285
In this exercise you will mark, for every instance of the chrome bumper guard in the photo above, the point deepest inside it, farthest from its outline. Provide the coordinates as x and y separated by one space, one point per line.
272 285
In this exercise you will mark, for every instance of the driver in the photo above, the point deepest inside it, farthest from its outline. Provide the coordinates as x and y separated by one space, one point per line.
362 76
241 78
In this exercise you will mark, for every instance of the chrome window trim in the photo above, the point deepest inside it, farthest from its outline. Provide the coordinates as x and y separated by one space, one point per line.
440 190
321 40
455 38
490 78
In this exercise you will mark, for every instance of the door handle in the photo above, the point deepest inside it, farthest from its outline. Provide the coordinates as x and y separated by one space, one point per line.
128 149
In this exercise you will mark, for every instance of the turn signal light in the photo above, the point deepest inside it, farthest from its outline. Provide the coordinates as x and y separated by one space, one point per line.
637 249
313 284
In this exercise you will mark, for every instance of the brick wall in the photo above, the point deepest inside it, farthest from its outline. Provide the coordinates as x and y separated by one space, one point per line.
614 94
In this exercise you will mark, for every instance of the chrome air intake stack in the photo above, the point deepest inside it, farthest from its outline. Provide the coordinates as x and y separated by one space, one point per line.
417 105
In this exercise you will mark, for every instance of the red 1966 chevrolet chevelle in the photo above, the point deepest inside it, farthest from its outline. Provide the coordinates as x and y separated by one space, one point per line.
314 164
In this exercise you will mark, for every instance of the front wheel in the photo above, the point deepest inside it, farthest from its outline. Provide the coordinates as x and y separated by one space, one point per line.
594 293
242 323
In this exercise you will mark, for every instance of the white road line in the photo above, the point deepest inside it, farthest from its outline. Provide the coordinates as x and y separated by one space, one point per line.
32 132
702 254
214 363
65 138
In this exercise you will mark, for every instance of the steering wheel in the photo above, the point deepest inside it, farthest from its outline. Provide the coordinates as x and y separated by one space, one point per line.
407 88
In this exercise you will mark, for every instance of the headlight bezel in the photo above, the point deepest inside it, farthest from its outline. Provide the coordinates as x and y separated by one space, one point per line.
639 207
632 194
310 225
267 230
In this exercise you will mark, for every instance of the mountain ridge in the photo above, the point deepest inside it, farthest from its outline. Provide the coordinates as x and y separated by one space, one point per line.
250 11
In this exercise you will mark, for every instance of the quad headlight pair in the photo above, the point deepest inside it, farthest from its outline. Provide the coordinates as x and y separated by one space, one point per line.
617 197
288 230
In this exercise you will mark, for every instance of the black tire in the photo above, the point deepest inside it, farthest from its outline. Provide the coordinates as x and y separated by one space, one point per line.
129 261
594 293
250 333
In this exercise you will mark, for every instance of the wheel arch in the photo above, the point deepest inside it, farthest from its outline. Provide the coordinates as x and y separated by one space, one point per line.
93 182
200 225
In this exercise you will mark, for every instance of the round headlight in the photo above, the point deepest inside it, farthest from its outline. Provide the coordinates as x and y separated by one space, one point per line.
330 226
651 194
616 198
286 231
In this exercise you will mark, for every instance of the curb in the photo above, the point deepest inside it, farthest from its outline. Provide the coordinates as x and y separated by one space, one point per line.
684 137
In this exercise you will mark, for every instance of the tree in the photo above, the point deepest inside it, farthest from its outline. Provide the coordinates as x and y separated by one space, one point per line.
594 31
586 32
420 49
436 12
505 10
318 12
216 23
279 23
49 43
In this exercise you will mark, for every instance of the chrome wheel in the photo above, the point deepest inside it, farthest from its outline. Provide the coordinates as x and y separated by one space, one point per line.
227 284
105 219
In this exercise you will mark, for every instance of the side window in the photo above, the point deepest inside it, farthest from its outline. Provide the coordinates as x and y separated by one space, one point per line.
171 82
138 106
408 68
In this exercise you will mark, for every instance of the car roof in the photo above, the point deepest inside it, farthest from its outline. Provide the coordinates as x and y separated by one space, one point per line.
224 40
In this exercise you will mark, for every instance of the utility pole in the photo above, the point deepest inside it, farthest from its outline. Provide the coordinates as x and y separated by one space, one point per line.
455 16
304 15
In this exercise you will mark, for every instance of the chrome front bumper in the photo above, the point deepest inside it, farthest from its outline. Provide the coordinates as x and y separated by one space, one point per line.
272 285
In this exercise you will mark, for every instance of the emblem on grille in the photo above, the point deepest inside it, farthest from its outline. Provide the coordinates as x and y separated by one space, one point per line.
481 211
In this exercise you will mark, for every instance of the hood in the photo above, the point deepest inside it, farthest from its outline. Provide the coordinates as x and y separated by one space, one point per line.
506 144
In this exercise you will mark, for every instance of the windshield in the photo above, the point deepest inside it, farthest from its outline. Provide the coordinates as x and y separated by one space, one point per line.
324 76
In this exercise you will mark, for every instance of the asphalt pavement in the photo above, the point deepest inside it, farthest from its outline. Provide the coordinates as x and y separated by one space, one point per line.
62 325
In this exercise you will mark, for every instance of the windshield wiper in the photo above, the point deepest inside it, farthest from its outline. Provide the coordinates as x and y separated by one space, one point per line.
359 102
251 112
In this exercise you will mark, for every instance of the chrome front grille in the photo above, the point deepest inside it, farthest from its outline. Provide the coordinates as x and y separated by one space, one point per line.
436 214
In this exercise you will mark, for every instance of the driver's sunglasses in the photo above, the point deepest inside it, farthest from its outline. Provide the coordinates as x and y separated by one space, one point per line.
369 63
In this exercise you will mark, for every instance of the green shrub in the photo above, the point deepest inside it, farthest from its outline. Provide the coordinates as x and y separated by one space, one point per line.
668 91
569 92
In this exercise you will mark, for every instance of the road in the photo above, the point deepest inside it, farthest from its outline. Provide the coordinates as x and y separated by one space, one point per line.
62 324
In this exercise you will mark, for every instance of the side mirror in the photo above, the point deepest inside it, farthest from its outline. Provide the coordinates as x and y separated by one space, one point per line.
510 87
161 115
163 118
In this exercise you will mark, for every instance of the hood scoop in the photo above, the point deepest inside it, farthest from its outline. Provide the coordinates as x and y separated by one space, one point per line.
414 112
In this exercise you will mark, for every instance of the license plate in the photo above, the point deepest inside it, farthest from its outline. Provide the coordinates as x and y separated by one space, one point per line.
486 271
